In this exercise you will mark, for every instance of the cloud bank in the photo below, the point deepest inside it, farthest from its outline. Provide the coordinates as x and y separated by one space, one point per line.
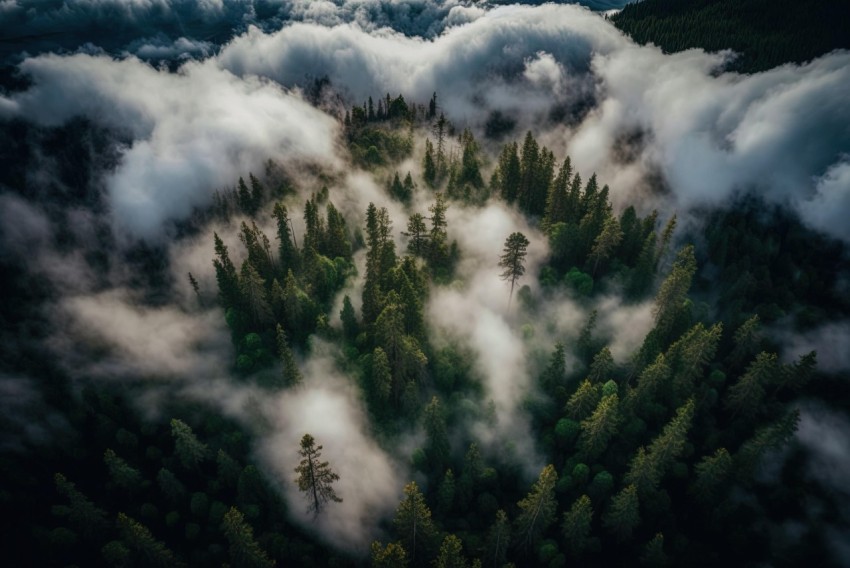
190 132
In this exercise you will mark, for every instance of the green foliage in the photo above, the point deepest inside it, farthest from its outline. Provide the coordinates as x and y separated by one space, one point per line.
142 544
392 555
413 525
623 515
451 554
315 478
537 509
765 33
576 526
244 551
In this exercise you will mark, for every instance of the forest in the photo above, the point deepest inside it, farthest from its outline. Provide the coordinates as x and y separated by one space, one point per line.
763 33
484 317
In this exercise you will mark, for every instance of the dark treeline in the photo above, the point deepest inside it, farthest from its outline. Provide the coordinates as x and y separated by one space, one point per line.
656 460
766 33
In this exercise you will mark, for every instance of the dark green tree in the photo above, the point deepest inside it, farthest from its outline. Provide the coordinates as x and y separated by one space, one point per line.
623 514
413 524
577 525
537 509
244 550
315 477
512 259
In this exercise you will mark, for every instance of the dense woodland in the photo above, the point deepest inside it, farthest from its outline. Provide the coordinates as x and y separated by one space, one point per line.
765 33
658 459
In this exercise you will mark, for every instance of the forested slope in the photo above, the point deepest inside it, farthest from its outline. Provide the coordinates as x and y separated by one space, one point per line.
765 33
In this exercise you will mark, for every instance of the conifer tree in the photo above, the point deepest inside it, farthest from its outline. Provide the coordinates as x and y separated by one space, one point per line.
83 515
244 550
417 232
290 374
600 427
140 541
382 380
392 555
429 166
653 553
413 524
348 317
225 274
623 514
512 260
252 288
188 448
498 539
337 243
583 401
576 526
451 554
746 395
537 509
557 200
711 473
287 249
437 445
122 474
606 242
315 477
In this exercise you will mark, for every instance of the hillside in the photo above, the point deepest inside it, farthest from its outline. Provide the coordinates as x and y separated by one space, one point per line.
766 33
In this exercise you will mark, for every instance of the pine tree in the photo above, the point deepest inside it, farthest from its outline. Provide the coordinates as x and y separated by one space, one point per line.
623 514
315 478
244 550
537 509
252 288
413 524
429 166
510 174
512 259
583 401
576 526
348 317
653 553
188 448
557 201
83 515
417 232
600 427
601 367
337 243
392 555
711 473
770 437
606 242
225 274
446 493
382 380
437 445
438 250
287 249
498 538
257 192
195 287
147 550
556 371
451 554
290 374
746 395
122 474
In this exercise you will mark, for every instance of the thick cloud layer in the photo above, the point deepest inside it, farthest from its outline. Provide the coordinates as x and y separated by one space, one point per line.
780 133
191 132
